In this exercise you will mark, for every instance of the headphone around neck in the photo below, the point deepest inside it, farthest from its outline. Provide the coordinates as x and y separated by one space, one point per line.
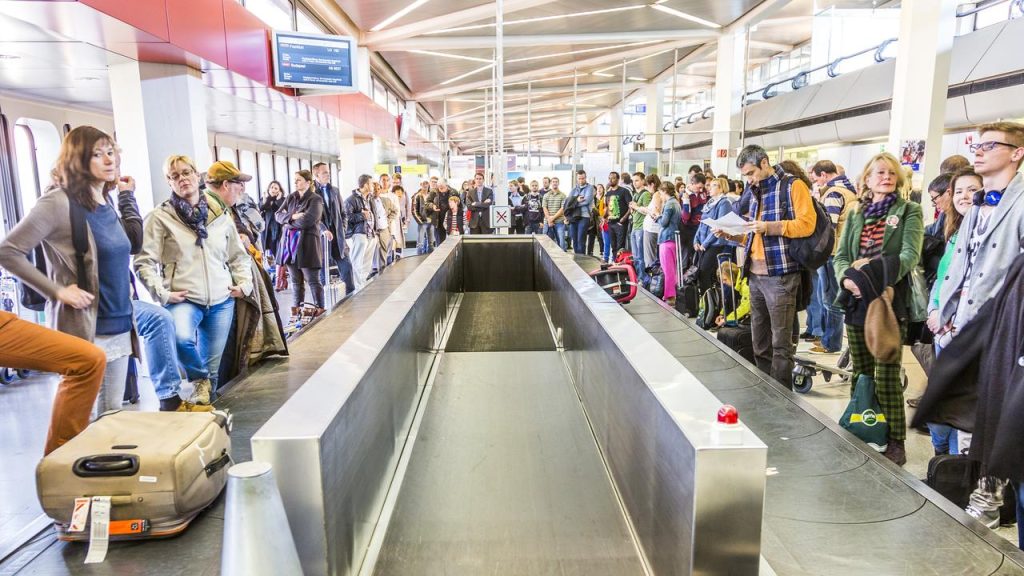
990 198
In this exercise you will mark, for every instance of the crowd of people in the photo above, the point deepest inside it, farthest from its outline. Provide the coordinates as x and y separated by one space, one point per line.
211 260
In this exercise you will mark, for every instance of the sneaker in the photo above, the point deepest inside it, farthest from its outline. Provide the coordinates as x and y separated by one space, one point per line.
187 406
990 518
202 389
808 337
819 349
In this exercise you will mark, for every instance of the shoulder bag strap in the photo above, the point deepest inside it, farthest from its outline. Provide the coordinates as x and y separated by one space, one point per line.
80 241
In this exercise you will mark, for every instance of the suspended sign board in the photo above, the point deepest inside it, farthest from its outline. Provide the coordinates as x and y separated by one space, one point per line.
314 61
636 109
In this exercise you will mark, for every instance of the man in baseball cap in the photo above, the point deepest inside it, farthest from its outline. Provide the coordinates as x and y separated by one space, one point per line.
224 171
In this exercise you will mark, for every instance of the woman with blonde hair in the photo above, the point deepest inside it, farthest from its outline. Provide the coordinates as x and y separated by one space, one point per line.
880 245
194 264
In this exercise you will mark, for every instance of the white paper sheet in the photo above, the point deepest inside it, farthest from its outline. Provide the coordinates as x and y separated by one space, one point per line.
731 223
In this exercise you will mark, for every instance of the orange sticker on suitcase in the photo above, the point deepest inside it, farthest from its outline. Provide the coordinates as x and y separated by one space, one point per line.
127 527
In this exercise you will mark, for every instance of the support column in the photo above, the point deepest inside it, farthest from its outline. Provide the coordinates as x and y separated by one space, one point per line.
358 156
615 140
731 66
159 110
654 118
927 29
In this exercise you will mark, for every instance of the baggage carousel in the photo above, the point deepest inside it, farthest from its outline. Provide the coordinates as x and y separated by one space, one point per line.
488 410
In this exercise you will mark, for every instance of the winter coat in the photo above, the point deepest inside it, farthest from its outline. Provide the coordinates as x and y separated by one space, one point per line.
309 250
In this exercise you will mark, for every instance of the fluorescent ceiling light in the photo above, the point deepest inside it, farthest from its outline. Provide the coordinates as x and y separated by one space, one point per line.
613 67
540 19
602 74
684 16
446 55
398 15
470 73
584 51
636 79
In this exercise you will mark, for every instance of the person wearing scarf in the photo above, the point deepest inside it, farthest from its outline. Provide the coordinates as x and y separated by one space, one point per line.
194 264
880 245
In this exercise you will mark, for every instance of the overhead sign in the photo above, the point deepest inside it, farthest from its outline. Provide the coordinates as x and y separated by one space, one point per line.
636 109
314 61
418 169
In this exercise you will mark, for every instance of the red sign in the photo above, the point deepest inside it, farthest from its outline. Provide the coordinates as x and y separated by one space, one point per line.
722 153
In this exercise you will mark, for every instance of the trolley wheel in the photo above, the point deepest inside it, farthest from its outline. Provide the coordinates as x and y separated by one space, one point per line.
24 374
827 375
7 376
844 359
802 383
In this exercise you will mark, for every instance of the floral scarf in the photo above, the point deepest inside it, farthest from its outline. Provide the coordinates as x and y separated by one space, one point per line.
193 216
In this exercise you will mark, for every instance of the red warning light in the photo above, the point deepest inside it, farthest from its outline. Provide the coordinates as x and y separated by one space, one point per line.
728 414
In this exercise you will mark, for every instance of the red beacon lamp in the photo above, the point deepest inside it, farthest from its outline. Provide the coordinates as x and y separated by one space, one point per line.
727 430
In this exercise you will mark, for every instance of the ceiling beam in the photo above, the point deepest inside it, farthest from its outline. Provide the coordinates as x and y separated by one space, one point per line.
538 74
773 46
454 19
548 90
531 40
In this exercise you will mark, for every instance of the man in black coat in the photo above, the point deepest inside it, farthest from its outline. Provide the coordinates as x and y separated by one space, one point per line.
438 200
335 222
479 201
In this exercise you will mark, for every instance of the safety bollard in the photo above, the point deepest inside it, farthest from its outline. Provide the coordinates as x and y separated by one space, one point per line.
257 538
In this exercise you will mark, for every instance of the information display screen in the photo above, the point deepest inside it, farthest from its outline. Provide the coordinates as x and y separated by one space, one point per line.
314 61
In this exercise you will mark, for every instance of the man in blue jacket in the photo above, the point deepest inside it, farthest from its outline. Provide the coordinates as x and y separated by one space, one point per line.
579 217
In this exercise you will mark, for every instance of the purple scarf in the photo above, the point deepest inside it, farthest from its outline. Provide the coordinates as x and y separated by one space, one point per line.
877 210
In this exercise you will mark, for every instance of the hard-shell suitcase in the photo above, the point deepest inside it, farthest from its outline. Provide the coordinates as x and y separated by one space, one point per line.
160 470
954 476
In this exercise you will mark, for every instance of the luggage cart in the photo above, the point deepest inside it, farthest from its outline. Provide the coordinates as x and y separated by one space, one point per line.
806 369
9 302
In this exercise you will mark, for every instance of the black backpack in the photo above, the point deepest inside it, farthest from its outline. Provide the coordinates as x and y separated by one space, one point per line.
570 209
813 251
80 239
657 285
708 308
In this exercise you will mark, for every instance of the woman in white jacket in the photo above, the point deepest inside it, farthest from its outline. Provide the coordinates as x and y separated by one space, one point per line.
194 264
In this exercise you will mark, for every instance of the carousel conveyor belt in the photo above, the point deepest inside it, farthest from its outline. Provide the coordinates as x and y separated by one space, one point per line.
832 506
505 476
251 401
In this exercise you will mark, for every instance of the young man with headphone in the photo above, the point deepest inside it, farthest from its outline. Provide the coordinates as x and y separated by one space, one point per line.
990 241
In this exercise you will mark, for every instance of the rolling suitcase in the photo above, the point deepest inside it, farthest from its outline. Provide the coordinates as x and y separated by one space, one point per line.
739 339
617 280
160 470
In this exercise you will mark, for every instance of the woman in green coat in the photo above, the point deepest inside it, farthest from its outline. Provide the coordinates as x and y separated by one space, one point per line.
880 245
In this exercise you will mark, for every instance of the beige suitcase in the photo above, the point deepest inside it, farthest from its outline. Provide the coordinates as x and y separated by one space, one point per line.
159 468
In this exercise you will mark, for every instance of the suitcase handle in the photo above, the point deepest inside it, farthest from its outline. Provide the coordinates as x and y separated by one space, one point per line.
106 465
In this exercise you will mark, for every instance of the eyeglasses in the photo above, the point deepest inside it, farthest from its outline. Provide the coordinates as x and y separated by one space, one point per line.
186 173
988 146
935 197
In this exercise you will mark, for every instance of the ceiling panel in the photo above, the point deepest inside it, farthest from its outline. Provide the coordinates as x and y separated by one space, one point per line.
366 15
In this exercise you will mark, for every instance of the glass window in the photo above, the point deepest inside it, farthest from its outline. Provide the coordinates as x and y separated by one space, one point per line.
265 173
380 94
275 13
392 104
307 23
334 175
989 16
36 146
247 164
227 155
281 172
293 167
304 164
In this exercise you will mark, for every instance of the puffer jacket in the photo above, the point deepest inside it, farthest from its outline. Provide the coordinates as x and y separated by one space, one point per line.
171 260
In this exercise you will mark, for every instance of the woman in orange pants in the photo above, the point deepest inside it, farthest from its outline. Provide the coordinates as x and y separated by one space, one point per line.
24 345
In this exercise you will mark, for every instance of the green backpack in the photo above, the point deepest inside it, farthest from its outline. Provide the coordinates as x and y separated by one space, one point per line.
864 417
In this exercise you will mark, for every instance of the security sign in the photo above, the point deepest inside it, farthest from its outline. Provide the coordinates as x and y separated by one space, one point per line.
501 216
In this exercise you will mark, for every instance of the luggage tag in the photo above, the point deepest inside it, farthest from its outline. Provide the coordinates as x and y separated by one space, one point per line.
99 535
80 515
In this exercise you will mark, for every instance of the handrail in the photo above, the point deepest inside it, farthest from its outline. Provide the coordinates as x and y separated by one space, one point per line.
985 5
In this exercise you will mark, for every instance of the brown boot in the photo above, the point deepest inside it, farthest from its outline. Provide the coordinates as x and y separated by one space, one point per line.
295 312
896 451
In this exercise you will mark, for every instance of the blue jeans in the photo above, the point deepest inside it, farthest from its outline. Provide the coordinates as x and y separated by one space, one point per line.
578 233
814 311
832 316
535 228
606 235
943 438
636 246
201 333
156 327
424 241
556 233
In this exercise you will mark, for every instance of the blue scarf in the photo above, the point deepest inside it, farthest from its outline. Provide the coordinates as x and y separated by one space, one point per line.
193 216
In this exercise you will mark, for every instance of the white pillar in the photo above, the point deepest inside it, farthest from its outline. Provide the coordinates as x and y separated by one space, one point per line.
615 140
358 156
159 110
654 119
927 29
731 66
